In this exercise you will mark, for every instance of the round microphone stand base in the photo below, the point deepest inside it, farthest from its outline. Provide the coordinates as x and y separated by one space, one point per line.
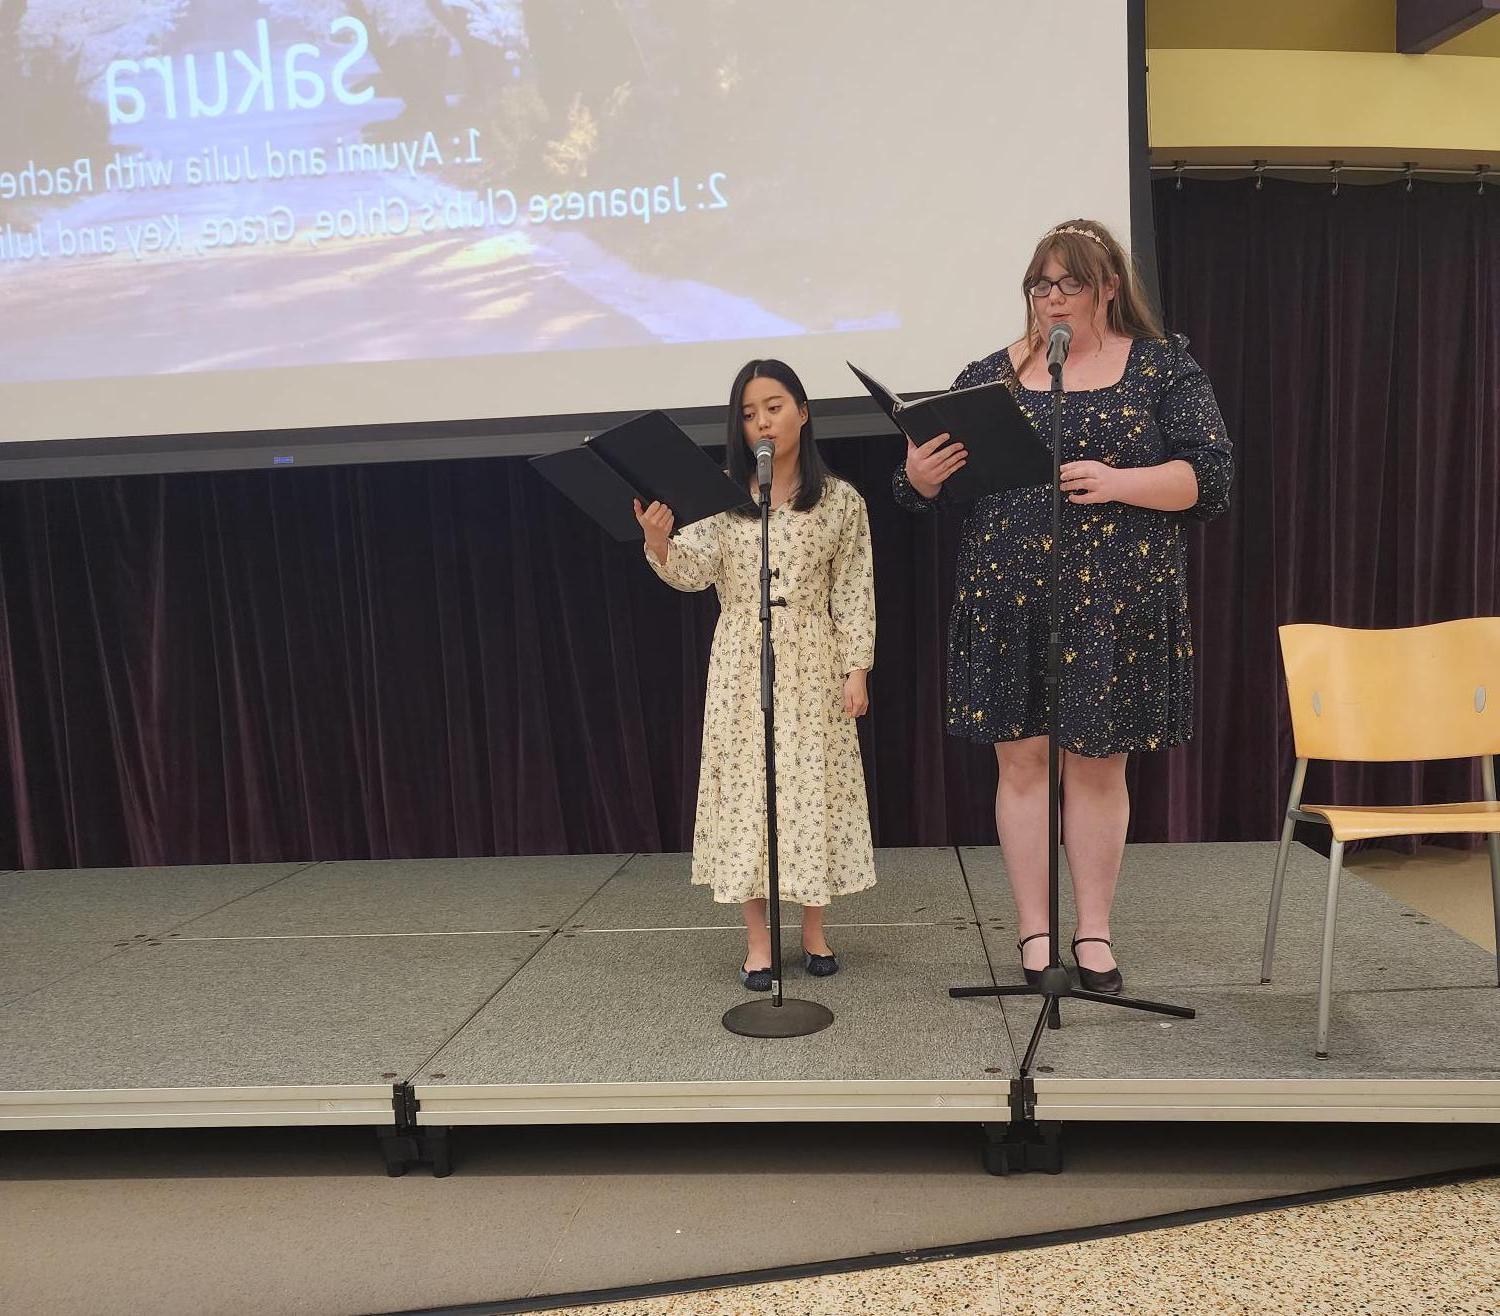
786 1018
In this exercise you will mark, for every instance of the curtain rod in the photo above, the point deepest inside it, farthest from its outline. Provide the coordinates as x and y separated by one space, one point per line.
1480 174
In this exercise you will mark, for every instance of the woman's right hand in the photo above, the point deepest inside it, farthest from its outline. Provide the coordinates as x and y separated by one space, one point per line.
928 466
656 523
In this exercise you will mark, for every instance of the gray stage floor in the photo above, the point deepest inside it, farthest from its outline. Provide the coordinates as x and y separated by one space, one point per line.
589 988
1412 999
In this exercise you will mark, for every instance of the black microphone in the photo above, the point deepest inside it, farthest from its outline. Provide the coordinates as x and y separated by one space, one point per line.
1058 342
765 455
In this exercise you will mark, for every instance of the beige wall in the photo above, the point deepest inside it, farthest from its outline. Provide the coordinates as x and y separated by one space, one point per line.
1306 80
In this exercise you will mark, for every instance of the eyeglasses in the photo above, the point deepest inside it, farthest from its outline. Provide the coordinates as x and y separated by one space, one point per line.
1067 285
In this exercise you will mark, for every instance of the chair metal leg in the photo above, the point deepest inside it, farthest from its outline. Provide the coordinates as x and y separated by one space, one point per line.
1330 918
1495 898
1273 915
1487 774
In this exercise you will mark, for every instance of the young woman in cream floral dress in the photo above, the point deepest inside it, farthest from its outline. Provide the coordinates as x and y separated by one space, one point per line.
825 645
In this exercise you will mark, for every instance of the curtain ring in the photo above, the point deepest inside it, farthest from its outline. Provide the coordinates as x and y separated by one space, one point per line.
1334 166
1409 167
1177 171
1479 172
1260 170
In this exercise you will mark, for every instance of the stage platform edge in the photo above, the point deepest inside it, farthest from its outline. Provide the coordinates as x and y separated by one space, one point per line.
247 972
1308 1101
368 1105
853 1100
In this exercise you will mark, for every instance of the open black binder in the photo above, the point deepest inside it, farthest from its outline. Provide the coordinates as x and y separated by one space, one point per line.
649 458
1005 450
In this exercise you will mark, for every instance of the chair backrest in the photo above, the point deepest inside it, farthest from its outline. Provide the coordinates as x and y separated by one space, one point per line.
1421 692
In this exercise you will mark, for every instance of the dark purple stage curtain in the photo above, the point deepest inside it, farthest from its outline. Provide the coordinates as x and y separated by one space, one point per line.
1354 342
444 658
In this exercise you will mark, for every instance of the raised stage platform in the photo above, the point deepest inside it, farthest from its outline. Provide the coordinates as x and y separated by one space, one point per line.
558 990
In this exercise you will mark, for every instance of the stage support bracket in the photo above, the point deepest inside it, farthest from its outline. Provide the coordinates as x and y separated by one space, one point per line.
1025 1145
406 1143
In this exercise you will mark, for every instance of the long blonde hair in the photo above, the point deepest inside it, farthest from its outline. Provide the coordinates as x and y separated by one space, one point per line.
1088 251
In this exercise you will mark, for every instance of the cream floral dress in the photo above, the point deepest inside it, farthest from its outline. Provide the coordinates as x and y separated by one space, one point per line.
827 629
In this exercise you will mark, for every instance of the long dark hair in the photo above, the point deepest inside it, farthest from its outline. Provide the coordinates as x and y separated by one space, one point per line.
812 474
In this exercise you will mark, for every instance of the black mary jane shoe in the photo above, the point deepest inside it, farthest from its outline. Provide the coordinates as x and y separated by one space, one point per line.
1033 976
820 966
756 980
1108 982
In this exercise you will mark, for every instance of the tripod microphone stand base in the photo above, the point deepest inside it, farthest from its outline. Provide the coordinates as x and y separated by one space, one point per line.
786 1018
1056 994
1057 985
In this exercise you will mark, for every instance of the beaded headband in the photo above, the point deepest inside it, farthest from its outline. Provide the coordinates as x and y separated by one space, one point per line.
1081 232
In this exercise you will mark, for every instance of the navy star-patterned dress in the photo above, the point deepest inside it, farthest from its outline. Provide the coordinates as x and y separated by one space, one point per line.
1127 670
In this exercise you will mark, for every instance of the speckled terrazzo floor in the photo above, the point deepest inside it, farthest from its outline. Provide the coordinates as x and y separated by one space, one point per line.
300 1222
1426 1252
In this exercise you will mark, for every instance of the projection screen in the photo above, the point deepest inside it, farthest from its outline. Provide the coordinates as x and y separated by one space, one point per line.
237 232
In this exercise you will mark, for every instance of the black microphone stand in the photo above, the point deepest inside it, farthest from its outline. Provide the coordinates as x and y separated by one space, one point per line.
1026 1145
778 1016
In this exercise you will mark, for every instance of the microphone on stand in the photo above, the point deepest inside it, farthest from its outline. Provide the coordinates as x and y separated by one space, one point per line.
765 455
1058 342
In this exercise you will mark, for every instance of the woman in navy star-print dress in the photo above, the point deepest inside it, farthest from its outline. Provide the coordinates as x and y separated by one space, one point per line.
1144 451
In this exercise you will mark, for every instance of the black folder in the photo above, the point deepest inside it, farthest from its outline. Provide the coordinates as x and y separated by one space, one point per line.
649 458
1005 450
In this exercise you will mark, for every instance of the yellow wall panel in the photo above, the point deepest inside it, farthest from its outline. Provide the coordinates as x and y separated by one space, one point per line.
1482 40
1285 103
1272 24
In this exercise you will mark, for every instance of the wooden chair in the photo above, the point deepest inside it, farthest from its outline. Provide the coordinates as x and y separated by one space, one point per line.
1422 692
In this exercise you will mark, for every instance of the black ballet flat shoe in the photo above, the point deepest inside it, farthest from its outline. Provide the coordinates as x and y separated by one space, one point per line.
1033 976
756 980
820 966
1107 982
